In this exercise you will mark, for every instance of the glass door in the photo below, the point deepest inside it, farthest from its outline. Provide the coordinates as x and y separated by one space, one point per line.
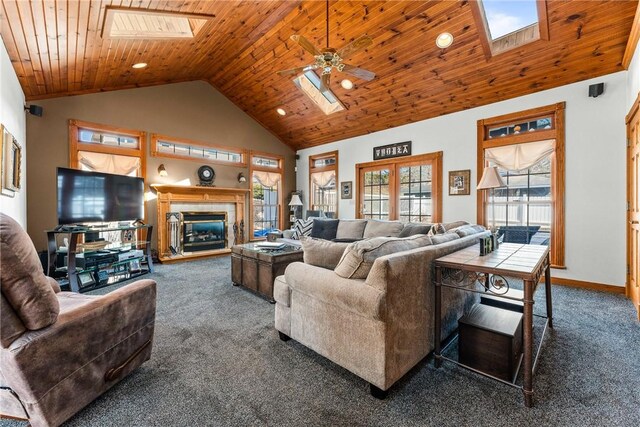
415 193
377 188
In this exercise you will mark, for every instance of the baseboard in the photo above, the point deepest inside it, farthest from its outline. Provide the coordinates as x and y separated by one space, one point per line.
587 285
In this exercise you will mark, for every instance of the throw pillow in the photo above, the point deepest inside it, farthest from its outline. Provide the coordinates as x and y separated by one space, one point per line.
437 228
467 230
376 228
358 257
322 253
324 228
351 229
411 229
444 238
302 228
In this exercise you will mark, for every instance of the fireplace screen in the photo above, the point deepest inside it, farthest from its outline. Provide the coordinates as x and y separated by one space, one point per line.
204 231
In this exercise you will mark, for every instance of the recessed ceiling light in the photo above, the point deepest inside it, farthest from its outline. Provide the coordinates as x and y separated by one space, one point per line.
444 40
139 65
347 84
281 112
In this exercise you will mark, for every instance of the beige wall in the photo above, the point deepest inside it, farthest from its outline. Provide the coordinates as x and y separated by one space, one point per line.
193 110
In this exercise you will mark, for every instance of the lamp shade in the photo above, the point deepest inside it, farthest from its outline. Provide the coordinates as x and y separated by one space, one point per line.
491 179
295 201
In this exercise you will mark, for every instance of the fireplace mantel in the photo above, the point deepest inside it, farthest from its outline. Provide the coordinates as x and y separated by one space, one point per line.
169 193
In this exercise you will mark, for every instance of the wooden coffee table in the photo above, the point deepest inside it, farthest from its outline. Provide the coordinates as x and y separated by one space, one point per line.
256 268
488 275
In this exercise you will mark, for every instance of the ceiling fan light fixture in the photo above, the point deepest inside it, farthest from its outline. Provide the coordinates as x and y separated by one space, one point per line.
346 84
444 40
281 111
139 65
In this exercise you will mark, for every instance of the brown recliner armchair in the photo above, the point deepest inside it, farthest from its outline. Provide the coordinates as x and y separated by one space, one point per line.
61 350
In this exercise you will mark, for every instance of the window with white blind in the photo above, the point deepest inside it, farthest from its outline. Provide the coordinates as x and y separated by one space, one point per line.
323 183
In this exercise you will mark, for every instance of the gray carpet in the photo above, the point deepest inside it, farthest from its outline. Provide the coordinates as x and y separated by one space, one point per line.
217 361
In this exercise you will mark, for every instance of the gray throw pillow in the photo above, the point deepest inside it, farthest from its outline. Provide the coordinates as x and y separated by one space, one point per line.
376 228
324 228
358 257
467 230
322 253
351 229
444 238
411 229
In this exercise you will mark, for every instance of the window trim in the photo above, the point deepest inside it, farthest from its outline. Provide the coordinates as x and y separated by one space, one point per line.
557 132
75 145
394 164
280 170
313 169
156 138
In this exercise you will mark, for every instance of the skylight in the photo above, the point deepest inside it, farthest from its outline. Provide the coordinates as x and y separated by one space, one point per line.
508 16
129 23
309 83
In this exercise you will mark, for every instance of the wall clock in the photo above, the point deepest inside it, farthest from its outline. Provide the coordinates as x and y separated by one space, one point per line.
207 175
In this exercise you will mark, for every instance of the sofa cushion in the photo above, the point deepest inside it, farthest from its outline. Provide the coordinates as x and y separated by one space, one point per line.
23 282
302 227
322 253
359 257
324 228
411 229
444 238
11 327
377 228
351 229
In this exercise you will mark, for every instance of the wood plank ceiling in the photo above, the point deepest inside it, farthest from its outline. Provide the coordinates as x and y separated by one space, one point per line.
56 50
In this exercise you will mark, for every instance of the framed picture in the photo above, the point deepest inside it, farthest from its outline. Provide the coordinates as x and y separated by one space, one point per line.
460 183
10 161
346 190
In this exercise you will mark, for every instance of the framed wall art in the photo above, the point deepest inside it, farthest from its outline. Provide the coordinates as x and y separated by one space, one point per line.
346 190
11 163
460 183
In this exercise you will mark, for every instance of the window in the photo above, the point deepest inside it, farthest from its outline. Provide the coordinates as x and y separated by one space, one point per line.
323 182
266 172
509 24
309 84
103 148
164 146
528 149
407 188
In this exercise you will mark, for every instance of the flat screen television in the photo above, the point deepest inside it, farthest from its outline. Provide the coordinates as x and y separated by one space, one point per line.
98 197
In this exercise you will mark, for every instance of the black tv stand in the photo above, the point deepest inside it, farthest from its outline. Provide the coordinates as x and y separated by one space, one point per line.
94 264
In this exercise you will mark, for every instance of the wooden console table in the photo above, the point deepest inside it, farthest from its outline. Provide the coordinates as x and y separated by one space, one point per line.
487 275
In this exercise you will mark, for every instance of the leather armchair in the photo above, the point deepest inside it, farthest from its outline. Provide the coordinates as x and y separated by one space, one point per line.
61 350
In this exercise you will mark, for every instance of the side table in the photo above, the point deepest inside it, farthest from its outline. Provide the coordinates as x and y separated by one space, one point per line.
526 262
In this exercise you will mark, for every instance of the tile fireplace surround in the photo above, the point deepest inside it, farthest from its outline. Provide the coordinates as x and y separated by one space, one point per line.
176 198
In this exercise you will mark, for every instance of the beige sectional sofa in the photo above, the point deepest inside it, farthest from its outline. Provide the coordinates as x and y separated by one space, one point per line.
379 326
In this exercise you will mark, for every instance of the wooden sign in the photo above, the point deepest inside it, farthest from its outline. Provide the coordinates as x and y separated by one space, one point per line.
392 150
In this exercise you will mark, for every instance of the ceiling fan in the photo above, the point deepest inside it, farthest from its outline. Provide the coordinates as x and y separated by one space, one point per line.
329 58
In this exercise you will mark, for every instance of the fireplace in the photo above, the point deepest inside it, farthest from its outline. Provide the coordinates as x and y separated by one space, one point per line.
203 231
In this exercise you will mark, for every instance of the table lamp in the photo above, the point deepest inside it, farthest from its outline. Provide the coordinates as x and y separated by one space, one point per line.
294 203
490 180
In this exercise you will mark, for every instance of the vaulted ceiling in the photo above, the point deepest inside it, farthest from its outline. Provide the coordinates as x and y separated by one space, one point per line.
57 49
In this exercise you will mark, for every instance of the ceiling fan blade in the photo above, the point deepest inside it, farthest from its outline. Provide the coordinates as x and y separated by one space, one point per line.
306 44
356 45
360 73
296 70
